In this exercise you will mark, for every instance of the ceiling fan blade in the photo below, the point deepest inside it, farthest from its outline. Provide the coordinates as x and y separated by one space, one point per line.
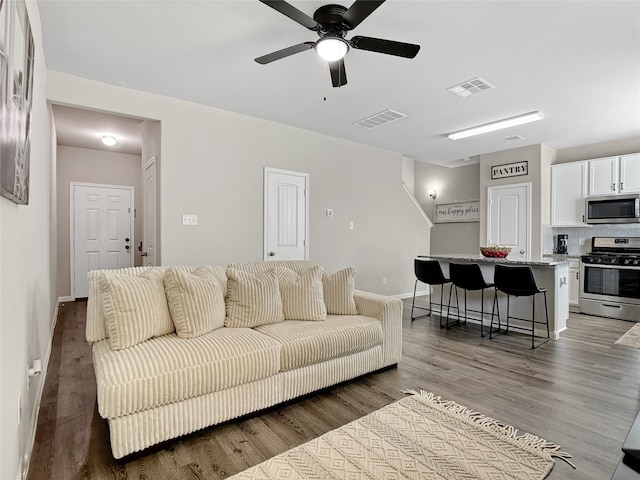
399 49
338 73
285 52
293 13
360 10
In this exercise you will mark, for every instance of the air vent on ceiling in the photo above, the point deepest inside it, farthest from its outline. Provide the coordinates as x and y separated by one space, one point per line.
470 87
512 138
379 119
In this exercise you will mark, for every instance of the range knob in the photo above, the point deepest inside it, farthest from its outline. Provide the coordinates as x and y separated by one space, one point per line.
613 261
636 262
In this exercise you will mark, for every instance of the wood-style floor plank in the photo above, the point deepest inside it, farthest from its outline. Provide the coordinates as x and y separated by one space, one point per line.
581 392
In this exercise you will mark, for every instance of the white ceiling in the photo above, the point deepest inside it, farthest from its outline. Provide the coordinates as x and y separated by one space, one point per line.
576 61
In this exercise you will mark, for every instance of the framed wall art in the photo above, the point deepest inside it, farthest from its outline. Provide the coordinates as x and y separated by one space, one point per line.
16 89
464 211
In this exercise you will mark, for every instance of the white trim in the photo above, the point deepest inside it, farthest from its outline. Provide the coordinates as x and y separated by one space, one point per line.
265 240
72 185
418 206
528 186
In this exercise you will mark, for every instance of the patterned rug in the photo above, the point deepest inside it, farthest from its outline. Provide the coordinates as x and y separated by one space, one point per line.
417 437
631 338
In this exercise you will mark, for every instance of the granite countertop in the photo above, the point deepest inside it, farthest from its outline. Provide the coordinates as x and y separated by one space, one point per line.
569 256
544 261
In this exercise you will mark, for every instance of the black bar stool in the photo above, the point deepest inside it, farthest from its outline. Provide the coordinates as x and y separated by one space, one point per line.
429 272
519 282
467 276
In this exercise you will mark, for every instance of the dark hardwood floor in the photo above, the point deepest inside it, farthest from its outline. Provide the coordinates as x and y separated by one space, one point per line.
581 392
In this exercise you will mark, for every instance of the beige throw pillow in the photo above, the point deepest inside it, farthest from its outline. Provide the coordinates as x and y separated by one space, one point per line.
135 307
338 292
196 300
252 300
302 295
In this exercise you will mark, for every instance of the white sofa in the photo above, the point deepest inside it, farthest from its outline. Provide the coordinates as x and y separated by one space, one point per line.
162 385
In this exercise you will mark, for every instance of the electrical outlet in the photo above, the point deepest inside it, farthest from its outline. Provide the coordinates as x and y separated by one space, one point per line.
384 280
190 220
350 225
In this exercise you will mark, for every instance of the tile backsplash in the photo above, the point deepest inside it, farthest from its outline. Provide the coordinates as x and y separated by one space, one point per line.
549 242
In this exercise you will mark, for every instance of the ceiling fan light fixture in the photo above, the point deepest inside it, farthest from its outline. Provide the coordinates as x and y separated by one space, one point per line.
109 140
331 48
500 124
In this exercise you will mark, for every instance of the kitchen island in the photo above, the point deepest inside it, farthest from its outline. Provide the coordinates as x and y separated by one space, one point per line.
551 273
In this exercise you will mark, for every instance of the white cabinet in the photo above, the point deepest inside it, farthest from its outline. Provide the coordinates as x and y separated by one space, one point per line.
568 190
614 175
574 285
630 173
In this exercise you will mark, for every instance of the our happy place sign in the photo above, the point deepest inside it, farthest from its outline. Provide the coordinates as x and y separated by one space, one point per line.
468 211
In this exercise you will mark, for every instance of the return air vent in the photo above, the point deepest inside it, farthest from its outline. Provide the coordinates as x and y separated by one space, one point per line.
379 119
512 138
468 88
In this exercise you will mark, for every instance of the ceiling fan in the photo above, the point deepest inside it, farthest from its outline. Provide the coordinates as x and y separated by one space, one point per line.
332 22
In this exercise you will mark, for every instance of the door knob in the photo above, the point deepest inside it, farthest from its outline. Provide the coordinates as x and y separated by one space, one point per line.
127 247
272 254
126 239
522 252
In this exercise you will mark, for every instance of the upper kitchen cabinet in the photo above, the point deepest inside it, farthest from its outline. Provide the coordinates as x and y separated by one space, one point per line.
614 175
568 190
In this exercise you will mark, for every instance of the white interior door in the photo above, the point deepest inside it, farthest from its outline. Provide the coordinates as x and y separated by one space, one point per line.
509 219
149 250
101 230
285 215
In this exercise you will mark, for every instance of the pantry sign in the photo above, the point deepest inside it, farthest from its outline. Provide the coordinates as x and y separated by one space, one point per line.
509 170
468 211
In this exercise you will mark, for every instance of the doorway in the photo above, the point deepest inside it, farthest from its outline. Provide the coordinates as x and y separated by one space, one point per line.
286 210
101 222
509 219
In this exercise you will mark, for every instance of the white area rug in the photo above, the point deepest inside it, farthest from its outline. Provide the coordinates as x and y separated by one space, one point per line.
631 338
418 437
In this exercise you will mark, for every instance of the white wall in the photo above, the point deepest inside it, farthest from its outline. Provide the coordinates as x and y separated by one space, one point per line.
27 285
212 165
599 150
93 166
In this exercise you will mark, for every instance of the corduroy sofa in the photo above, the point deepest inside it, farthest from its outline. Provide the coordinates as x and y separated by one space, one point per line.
177 349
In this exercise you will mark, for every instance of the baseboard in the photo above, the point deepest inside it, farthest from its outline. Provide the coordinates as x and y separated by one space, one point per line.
64 299
26 457
402 296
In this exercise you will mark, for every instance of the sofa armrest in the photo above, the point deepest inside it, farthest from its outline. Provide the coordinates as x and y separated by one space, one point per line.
388 310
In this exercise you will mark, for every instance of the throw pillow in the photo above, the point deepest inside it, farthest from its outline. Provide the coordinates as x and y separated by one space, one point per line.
135 307
196 300
338 292
252 300
302 295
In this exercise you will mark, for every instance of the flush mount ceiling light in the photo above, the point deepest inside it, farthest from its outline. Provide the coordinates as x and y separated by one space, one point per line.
109 140
500 124
331 48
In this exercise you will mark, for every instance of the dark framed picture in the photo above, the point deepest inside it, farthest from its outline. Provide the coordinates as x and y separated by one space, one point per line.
16 85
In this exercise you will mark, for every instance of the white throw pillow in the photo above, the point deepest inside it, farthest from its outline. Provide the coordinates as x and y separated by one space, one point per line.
302 295
196 300
135 307
338 292
252 300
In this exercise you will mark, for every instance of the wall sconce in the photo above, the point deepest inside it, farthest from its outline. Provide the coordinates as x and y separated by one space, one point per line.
432 194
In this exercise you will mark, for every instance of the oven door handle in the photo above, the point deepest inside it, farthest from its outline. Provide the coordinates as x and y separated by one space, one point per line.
611 306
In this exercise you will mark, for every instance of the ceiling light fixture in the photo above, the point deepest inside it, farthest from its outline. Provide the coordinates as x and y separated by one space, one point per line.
109 140
332 48
500 124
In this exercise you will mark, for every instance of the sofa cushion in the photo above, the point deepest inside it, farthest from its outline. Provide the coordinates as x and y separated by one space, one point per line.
261 266
338 292
306 343
302 295
170 369
135 307
196 300
253 300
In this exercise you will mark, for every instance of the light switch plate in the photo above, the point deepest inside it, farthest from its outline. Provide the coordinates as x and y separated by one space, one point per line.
189 220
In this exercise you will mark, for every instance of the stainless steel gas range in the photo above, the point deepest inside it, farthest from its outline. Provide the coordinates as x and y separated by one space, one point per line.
611 278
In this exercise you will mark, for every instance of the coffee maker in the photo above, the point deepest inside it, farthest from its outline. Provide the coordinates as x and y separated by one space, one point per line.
563 244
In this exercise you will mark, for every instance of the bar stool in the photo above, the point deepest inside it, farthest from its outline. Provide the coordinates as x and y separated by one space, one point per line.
429 272
519 282
467 276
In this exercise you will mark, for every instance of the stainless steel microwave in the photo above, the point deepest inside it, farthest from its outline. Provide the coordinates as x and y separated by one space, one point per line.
613 209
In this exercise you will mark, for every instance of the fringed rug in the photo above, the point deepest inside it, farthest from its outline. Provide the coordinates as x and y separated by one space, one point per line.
631 338
418 437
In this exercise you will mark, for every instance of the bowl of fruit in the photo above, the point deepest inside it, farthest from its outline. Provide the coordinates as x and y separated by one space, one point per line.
495 251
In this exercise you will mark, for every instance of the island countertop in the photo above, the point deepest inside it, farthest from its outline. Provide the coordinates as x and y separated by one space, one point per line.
550 262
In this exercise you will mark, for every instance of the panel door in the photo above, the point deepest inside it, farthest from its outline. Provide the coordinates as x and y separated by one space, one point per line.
603 176
101 223
285 220
630 173
568 191
149 250
509 219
